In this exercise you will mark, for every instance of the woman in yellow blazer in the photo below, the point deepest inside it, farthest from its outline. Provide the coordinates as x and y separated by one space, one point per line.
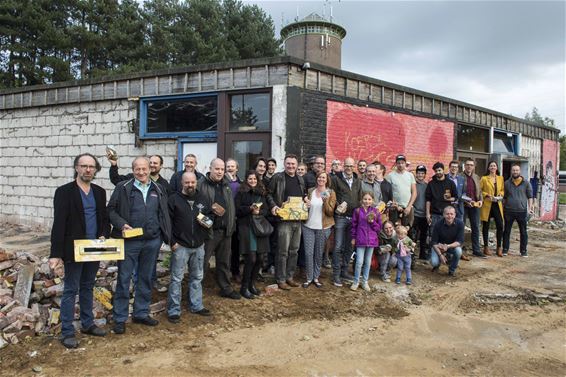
491 185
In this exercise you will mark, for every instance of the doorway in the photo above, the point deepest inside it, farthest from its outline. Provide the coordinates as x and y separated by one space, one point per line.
246 148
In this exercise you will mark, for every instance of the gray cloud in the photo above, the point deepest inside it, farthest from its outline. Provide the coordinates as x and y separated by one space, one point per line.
505 55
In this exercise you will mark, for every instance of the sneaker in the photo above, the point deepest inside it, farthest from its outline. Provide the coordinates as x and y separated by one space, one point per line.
337 282
317 283
480 255
306 284
69 342
204 312
525 255
452 273
505 253
326 263
94 331
119 328
354 286
409 282
148 321
386 279
175 318
365 287
398 281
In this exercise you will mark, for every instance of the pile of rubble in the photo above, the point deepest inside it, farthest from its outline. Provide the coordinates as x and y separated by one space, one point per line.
30 296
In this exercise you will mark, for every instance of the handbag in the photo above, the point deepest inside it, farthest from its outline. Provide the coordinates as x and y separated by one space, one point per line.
260 226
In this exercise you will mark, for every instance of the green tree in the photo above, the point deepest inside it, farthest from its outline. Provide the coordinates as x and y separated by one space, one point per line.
535 117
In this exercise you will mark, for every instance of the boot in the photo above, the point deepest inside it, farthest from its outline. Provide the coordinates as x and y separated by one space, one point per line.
254 290
486 251
244 291
500 252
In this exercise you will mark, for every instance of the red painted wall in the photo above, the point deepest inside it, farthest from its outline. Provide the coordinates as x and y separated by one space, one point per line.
372 134
549 184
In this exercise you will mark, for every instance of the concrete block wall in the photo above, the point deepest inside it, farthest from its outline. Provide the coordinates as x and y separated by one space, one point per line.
38 146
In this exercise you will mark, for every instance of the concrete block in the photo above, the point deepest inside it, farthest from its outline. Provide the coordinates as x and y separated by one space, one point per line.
23 285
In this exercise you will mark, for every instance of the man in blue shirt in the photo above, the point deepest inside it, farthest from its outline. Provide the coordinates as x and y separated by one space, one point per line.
138 203
447 240
79 213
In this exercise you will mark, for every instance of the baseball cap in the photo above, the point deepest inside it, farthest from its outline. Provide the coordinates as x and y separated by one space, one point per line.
421 168
400 157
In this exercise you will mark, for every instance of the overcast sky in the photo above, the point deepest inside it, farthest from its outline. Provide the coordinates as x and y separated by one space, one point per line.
503 55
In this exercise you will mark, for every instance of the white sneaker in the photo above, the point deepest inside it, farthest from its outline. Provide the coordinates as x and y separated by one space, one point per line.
354 286
365 287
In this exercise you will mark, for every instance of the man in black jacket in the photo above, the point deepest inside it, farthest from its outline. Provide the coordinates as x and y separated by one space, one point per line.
155 166
348 195
79 213
190 163
284 185
318 166
216 188
188 235
138 203
440 193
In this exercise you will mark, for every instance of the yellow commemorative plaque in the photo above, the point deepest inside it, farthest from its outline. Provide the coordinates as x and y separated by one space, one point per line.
294 209
98 250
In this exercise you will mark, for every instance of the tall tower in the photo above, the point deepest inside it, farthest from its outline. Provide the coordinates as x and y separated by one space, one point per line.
315 39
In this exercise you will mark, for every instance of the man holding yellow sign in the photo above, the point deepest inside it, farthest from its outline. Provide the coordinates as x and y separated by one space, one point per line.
79 213
138 213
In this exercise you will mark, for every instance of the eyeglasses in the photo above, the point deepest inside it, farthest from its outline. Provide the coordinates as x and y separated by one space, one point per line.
348 166
85 167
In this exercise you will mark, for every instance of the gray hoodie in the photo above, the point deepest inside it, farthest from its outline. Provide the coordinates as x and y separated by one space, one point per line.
516 198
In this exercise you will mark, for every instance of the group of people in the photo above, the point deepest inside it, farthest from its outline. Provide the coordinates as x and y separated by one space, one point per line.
238 217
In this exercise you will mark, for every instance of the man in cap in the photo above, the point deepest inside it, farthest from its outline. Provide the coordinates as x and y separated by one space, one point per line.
404 191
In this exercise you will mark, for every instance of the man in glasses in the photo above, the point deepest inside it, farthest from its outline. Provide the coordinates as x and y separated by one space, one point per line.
317 167
79 213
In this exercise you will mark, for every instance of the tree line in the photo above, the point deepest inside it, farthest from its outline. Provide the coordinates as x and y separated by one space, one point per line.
46 41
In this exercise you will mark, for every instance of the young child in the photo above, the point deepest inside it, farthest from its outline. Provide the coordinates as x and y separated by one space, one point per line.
405 249
366 224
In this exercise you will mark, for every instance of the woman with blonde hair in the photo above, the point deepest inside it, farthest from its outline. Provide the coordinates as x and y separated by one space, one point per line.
491 185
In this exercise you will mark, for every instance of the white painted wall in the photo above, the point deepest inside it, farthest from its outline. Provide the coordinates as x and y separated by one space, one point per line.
38 145
278 123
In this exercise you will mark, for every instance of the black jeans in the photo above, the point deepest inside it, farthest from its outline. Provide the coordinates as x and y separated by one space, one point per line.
219 246
420 226
496 215
521 218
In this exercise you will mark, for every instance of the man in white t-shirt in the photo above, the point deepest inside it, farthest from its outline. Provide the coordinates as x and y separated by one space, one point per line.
404 191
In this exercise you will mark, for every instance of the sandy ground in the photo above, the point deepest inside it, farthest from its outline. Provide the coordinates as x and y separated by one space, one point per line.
500 316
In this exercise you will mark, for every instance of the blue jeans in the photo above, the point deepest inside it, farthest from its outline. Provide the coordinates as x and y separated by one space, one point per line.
363 258
521 218
386 262
342 246
142 253
455 253
473 214
79 278
194 258
404 263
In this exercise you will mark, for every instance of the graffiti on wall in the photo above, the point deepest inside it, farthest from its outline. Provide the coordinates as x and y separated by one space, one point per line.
378 135
549 192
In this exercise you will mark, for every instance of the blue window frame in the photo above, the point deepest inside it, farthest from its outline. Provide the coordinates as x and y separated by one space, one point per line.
188 116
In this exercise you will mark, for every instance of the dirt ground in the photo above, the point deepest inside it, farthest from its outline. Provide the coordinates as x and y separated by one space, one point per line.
500 316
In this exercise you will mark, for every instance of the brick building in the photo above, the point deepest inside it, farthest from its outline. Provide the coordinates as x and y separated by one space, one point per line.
247 109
